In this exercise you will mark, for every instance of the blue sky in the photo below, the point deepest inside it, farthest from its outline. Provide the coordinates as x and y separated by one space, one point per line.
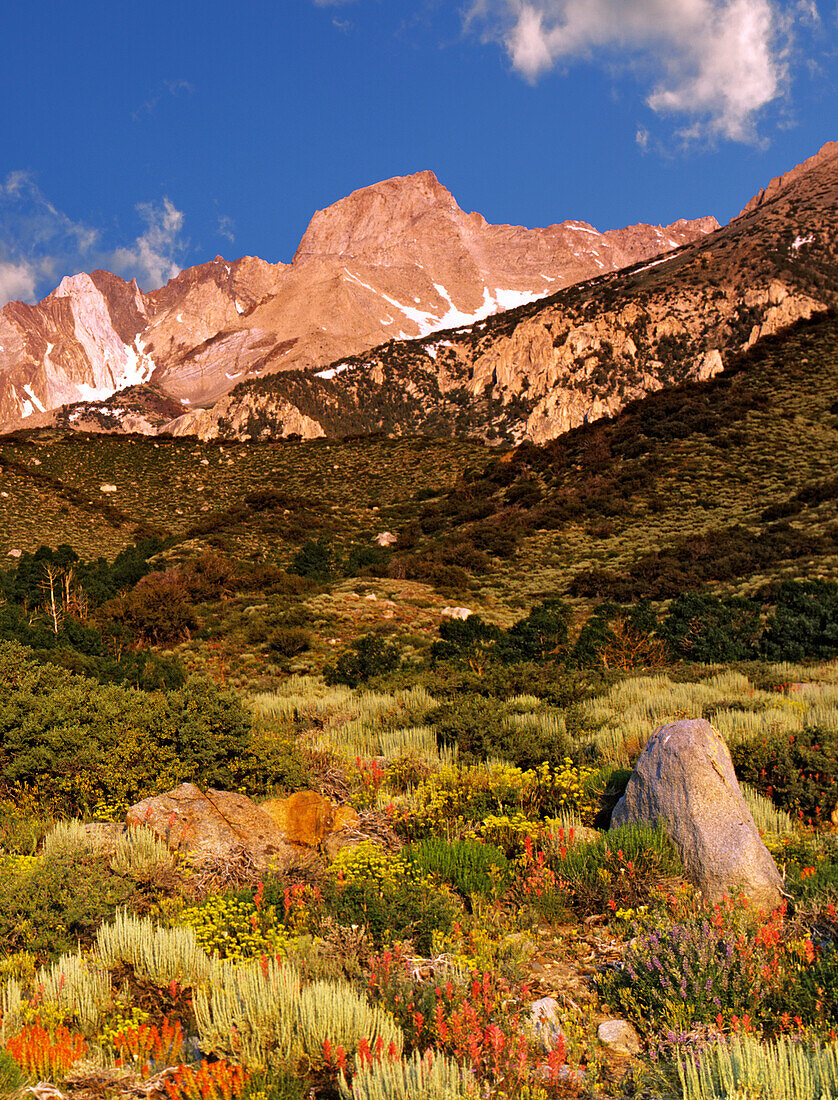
145 138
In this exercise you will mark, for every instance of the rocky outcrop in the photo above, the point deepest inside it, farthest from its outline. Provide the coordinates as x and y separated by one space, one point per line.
827 153
401 313
584 352
685 780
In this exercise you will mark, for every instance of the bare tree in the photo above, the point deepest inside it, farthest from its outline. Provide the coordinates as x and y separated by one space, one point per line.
51 580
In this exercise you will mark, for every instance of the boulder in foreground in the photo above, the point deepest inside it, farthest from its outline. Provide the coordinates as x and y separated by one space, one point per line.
685 779
216 825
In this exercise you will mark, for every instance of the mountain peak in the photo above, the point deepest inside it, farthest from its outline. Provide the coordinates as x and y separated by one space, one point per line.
372 215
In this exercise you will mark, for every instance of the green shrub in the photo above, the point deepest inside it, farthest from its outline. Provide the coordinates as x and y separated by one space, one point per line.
804 623
810 861
797 771
708 629
314 560
57 903
367 561
377 891
481 730
469 640
470 866
11 1075
83 746
619 868
289 641
543 633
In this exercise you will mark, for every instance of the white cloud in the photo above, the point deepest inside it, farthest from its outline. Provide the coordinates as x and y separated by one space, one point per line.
39 244
17 282
36 239
167 87
715 62
152 258
226 225
38 222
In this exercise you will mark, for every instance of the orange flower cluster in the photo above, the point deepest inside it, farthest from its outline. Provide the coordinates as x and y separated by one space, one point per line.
143 1045
209 1081
46 1054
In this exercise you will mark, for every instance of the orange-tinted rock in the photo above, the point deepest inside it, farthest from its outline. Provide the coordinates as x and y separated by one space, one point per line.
302 818
345 817
217 824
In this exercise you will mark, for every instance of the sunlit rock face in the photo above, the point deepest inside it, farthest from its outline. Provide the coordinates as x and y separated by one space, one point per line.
394 261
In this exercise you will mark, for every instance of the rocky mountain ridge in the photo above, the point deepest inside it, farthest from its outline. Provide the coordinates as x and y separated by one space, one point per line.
398 259
536 371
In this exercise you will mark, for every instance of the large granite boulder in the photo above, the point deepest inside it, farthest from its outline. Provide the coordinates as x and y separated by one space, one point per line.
216 825
685 779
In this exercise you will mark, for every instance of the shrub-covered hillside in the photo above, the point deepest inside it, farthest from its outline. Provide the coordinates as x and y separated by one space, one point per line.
462 702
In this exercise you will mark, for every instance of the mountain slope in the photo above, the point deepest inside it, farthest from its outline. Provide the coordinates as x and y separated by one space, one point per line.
730 482
397 259
539 370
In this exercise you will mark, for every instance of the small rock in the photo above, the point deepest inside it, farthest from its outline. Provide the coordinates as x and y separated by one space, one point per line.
35 462
14 554
545 1022
619 1036
385 538
107 488
456 613
371 596
572 1075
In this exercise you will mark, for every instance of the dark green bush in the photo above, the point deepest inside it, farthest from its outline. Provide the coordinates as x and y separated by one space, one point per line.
708 629
804 623
470 640
368 656
392 911
314 560
289 641
542 634
366 560
480 729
